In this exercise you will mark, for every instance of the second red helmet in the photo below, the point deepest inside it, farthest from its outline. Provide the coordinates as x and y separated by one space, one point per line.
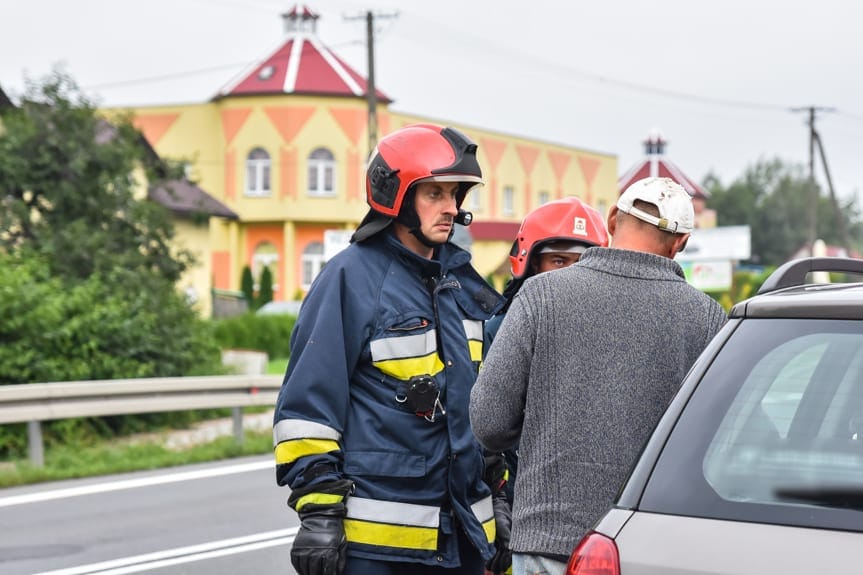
568 220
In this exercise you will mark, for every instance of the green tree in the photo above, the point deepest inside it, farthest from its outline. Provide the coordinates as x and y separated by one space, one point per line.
265 294
247 286
68 187
772 198
88 258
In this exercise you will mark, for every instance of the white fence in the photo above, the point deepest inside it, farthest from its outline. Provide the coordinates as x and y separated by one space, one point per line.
36 402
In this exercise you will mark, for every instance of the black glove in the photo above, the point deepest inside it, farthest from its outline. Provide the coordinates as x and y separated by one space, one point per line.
503 526
320 545
494 471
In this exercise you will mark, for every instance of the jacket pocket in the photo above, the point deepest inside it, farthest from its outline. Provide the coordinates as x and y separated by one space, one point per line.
385 463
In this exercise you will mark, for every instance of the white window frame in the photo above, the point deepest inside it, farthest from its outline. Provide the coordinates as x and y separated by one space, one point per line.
258 173
475 199
508 201
322 173
262 258
544 197
311 263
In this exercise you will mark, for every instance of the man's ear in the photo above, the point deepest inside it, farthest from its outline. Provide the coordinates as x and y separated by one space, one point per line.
611 222
682 243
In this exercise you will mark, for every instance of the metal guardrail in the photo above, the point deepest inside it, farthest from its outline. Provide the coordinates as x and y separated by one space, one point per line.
36 402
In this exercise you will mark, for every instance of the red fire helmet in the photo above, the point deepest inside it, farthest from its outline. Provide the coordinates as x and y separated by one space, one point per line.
567 220
419 152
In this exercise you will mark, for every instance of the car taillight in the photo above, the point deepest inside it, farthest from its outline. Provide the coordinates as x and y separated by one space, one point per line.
595 555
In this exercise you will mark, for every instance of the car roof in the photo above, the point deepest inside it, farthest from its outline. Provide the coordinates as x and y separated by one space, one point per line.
817 301
785 295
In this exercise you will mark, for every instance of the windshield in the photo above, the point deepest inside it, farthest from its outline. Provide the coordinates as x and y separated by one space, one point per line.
774 428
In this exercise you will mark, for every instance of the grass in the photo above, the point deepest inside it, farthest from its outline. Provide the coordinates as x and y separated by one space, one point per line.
277 366
74 461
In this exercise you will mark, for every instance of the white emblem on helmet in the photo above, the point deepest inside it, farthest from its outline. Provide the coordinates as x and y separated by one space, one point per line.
579 226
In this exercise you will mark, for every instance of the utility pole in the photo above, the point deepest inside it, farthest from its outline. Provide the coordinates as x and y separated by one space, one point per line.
371 90
837 211
813 189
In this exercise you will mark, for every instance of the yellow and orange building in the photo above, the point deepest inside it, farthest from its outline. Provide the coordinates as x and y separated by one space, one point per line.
284 146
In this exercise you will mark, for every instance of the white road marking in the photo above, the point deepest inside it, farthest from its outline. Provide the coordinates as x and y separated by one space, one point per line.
159 559
132 483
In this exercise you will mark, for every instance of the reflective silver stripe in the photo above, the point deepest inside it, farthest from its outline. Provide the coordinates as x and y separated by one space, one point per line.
406 346
473 329
394 513
483 509
288 429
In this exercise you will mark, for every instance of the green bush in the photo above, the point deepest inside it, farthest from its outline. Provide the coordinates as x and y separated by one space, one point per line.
100 328
269 333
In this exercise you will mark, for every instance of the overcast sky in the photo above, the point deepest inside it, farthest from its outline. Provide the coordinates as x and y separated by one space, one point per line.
720 80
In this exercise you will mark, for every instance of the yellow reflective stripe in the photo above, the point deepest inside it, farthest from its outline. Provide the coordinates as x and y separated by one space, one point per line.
474 332
380 511
404 346
406 356
401 536
405 369
475 350
319 499
490 530
290 451
287 429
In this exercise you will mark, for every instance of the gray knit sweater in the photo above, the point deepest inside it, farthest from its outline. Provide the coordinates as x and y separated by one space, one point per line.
584 364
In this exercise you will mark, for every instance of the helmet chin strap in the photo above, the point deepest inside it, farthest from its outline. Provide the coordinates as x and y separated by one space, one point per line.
418 234
409 218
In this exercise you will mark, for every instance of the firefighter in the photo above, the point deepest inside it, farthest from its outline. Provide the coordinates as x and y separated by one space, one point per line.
371 427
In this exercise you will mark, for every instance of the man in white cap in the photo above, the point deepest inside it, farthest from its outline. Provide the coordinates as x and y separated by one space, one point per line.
583 366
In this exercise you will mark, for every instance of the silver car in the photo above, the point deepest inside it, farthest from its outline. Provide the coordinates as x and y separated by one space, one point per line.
757 465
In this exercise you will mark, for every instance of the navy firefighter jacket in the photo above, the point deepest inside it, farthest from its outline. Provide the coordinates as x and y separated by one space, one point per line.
377 316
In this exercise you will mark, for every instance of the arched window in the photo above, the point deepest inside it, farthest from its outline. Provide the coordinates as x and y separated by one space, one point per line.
266 255
258 173
322 173
312 261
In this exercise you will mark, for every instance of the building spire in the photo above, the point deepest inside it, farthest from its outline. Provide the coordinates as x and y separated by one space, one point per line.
654 145
300 19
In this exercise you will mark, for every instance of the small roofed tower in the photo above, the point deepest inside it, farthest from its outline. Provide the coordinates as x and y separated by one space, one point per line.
301 64
300 19
656 164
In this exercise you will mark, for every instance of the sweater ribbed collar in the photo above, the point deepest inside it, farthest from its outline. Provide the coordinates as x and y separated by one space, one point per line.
630 263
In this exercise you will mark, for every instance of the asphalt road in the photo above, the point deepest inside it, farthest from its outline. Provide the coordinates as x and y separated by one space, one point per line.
224 518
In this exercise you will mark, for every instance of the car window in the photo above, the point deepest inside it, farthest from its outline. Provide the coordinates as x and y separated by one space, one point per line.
774 428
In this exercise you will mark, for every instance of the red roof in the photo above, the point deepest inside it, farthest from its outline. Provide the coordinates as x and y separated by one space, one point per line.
657 165
300 65
494 230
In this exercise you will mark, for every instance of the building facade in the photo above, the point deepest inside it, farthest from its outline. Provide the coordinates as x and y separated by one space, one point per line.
284 147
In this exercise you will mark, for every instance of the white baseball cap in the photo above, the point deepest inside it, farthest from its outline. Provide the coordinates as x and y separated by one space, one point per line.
676 214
